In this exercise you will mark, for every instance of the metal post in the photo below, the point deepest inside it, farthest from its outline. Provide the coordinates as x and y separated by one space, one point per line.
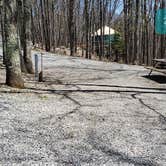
42 62
36 68
41 72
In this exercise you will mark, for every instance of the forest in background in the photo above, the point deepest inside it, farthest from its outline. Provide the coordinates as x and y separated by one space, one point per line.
50 24
71 23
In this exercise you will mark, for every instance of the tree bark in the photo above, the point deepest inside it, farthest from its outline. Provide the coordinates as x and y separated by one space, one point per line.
2 13
71 26
87 29
13 71
135 56
125 31
27 36
162 50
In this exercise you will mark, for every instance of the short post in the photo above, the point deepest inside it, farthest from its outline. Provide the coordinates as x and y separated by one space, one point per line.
36 68
41 72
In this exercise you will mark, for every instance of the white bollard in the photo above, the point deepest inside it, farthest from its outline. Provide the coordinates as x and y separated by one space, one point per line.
36 68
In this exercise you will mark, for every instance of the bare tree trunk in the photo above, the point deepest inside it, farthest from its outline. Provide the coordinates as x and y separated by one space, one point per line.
2 13
154 33
71 5
101 27
135 56
27 36
13 71
21 34
53 26
162 50
125 31
44 34
87 28
32 28
47 25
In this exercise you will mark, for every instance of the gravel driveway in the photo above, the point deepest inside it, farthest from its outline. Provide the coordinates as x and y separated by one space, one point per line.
86 113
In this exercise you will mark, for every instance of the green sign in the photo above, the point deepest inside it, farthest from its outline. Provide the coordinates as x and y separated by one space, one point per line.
161 21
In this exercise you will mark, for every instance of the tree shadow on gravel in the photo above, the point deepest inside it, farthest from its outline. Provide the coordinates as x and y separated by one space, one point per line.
106 148
121 89
117 86
95 69
94 91
161 79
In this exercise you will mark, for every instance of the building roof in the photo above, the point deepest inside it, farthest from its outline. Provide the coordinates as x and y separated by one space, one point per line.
107 31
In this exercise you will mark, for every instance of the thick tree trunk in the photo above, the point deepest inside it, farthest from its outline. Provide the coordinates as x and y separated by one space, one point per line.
20 34
13 71
2 13
27 36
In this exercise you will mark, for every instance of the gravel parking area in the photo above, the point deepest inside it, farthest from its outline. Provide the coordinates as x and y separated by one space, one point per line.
86 113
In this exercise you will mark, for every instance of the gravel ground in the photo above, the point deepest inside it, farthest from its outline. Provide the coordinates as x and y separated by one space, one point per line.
86 113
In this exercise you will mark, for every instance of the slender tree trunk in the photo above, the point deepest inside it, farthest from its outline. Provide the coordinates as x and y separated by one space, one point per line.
154 32
71 26
162 50
125 31
43 24
135 56
32 28
87 28
47 25
53 24
101 28
146 33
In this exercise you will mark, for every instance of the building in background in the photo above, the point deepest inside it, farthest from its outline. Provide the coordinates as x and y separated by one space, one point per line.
110 39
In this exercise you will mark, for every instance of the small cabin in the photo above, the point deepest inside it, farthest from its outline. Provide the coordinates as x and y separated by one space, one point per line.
107 33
